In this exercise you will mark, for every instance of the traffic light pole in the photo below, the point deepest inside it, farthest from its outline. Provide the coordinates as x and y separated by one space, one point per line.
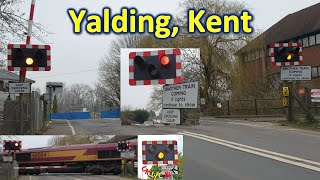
50 101
21 107
290 102
22 75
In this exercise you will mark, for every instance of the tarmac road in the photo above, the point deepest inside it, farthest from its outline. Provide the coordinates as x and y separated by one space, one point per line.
82 127
236 149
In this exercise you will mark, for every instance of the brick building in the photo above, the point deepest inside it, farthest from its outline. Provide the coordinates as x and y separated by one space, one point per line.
303 27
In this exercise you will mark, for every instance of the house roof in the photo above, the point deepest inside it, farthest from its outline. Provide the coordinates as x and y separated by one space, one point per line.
293 25
9 76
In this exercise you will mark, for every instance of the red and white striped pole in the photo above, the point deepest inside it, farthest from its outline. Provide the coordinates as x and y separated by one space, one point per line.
40 167
23 73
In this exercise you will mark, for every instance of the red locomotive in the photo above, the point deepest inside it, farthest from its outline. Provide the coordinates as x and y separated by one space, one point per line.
88 158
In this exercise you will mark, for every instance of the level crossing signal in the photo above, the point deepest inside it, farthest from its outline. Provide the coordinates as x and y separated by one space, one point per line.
159 152
23 57
11 146
123 146
155 67
286 54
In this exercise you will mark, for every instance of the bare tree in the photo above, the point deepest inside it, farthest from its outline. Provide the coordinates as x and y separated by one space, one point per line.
217 58
14 25
77 95
108 86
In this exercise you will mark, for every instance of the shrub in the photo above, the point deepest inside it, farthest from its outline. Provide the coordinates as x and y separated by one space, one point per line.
141 115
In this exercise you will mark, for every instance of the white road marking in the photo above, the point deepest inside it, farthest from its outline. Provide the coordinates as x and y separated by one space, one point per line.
308 164
72 129
30 177
49 123
237 123
245 124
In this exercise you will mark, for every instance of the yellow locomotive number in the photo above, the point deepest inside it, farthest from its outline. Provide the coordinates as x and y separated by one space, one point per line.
38 155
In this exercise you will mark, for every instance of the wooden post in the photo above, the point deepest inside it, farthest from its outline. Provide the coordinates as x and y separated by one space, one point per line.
228 103
255 106
290 100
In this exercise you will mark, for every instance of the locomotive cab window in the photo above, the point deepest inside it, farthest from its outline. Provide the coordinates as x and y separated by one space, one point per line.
23 157
108 154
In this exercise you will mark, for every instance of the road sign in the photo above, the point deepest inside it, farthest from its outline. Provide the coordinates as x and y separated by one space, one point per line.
170 116
171 169
286 54
296 73
17 88
127 154
285 101
56 87
285 91
155 67
180 96
7 158
203 101
315 95
301 91
219 105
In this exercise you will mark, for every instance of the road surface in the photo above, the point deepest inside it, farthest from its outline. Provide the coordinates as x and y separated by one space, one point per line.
235 149
56 176
82 127
239 150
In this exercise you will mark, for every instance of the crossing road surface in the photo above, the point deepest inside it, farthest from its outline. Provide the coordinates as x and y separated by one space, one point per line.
82 127
237 150
71 177
234 149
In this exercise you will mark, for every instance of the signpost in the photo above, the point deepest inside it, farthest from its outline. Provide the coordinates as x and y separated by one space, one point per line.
285 101
56 87
202 101
180 96
315 95
285 91
53 87
17 88
170 116
127 154
7 158
295 73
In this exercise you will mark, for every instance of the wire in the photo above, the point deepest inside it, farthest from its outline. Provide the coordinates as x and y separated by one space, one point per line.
65 74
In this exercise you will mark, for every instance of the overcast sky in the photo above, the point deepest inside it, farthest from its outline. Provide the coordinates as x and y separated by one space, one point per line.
30 141
73 53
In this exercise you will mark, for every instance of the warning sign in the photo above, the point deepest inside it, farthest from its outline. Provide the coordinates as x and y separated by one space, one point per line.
180 96
16 88
170 116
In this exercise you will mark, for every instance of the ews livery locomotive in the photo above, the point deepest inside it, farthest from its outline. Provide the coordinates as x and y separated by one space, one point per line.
86 158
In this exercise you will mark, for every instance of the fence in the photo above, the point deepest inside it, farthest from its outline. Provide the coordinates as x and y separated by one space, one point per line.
1 113
115 113
249 107
269 107
32 115
71 115
7 172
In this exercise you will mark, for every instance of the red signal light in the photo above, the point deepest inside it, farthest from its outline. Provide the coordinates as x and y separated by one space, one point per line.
165 60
